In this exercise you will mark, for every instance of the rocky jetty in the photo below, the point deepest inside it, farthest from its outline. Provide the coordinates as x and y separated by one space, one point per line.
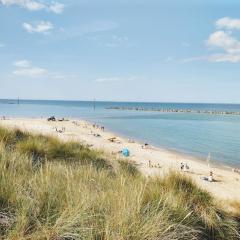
175 110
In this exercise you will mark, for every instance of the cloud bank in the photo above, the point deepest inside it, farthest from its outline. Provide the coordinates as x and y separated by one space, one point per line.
33 5
224 41
25 68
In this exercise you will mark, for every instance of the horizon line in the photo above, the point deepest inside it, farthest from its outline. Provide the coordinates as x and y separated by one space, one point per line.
116 101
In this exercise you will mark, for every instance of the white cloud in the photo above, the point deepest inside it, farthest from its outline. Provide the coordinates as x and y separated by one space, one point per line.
227 44
25 68
224 41
31 72
27 4
56 7
194 59
119 38
22 64
33 5
38 27
232 58
59 76
219 57
228 23
107 79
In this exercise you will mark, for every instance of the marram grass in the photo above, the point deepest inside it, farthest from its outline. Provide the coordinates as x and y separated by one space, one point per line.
50 190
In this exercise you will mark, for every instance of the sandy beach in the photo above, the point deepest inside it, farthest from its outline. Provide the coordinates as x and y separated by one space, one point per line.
150 160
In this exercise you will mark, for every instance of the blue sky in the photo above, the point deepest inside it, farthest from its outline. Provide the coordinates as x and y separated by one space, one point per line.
177 51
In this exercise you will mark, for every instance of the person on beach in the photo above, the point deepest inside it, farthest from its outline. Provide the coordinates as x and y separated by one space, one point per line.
209 178
146 145
186 167
182 166
96 135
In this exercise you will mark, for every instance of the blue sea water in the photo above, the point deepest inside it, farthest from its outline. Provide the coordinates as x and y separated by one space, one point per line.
188 133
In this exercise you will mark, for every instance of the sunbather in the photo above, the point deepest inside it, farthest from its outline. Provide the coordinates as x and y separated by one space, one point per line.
208 178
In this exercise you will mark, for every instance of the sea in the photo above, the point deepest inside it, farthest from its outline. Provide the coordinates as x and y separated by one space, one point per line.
194 134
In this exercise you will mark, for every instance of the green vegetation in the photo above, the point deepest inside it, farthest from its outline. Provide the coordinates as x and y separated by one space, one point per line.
65 191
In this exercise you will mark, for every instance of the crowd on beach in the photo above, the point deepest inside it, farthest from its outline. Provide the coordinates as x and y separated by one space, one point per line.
61 130
184 167
98 127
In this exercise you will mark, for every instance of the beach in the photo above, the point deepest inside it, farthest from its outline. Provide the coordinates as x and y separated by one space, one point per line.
151 161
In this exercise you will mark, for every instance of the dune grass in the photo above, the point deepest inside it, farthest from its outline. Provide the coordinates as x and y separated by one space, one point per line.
66 191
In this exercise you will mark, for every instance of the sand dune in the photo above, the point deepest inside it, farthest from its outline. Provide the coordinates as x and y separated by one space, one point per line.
151 160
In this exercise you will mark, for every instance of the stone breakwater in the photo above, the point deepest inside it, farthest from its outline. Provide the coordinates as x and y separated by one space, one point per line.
174 110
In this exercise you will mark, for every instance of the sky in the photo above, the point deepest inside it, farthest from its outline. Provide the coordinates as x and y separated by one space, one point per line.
138 50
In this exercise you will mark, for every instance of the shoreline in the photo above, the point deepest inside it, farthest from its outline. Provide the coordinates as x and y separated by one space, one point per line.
151 161
214 163
201 160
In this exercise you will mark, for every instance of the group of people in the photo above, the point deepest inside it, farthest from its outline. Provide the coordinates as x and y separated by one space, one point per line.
236 170
98 127
153 166
96 135
184 167
76 123
62 130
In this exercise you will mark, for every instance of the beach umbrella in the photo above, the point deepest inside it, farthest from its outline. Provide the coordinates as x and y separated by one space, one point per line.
125 152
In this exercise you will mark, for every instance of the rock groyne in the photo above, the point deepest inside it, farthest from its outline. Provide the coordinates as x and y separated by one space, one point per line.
176 110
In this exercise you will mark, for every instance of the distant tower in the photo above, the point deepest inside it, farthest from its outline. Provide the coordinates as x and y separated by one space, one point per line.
18 101
94 104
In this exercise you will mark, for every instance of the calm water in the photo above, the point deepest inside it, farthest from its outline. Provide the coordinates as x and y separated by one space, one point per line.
195 134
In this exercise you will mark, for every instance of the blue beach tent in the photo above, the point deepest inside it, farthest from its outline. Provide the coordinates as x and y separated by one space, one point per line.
125 152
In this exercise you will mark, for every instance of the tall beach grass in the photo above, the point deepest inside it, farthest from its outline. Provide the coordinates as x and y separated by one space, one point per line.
65 191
